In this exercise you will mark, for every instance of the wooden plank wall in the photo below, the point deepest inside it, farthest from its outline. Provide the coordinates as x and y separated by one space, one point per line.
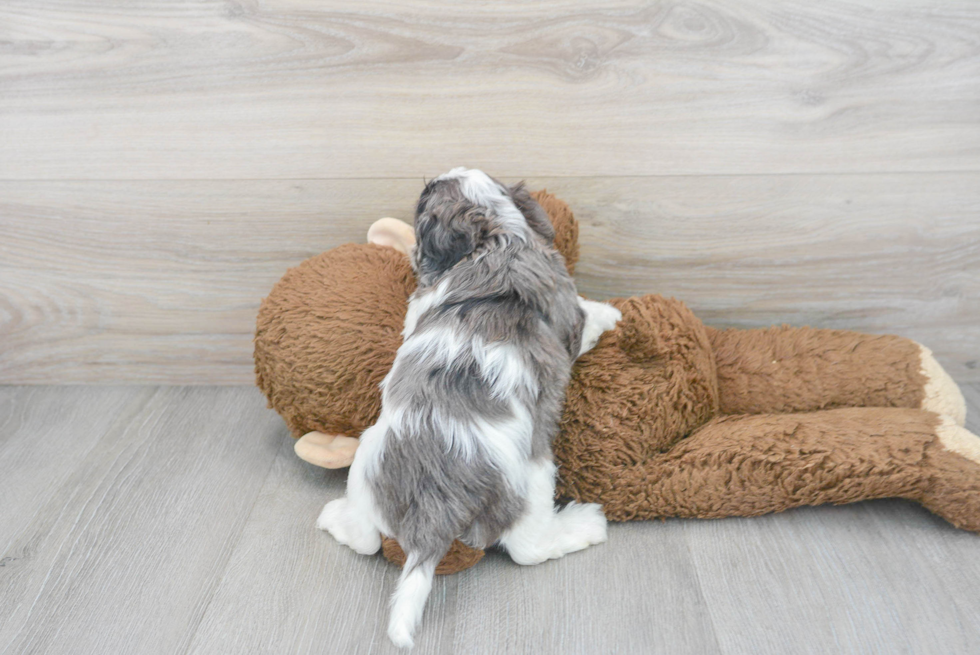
162 164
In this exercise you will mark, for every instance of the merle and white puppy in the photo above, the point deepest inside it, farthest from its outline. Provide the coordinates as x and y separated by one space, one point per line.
462 448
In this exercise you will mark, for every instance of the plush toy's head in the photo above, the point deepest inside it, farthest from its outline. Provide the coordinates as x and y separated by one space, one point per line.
327 333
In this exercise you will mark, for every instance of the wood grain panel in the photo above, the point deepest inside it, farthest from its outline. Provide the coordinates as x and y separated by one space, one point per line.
125 554
160 281
306 89
875 253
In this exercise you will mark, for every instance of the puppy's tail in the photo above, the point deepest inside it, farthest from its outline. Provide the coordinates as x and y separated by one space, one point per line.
409 598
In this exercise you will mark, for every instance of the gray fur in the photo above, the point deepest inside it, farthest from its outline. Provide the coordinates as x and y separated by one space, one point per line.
504 286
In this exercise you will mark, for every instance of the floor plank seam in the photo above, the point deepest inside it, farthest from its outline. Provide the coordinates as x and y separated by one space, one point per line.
701 592
120 424
219 579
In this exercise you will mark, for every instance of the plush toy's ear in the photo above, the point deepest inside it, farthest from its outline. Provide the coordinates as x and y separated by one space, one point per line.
393 233
566 227
331 451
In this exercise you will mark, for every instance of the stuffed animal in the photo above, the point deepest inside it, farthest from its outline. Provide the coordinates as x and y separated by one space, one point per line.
665 417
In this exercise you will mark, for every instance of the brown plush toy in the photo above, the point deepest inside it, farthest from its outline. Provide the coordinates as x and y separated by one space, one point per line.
664 417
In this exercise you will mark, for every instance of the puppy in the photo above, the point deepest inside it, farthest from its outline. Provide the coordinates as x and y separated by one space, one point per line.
462 448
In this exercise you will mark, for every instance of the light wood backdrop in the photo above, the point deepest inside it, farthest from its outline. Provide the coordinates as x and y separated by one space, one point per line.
162 164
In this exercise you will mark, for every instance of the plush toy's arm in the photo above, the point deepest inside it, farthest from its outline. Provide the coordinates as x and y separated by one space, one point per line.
752 465
784 369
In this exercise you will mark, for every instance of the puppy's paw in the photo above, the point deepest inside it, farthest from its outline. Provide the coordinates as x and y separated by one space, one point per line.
599 317
605 315
581 526
331 520
590 337
349 528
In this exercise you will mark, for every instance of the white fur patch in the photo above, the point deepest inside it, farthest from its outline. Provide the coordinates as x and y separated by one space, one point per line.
599 317
419 304
458 435
484 192
543 533
501 364
506 444
367 459
504 369
942 394
435 346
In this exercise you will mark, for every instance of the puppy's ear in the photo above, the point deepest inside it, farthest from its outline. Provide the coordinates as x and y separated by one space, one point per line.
537 219
446 232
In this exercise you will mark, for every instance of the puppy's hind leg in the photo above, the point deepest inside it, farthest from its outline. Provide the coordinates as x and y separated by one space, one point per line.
542 533
349 527
351 519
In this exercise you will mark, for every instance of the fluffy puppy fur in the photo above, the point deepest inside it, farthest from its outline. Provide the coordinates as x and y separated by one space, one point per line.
462 448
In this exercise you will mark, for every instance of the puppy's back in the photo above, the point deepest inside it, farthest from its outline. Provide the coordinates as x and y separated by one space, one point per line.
476 391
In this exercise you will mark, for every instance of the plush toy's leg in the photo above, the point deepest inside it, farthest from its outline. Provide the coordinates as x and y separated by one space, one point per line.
955 490
543 533
941 393
756 464
330 451
784 369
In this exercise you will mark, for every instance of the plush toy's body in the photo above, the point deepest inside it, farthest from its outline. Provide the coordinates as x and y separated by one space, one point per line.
665 416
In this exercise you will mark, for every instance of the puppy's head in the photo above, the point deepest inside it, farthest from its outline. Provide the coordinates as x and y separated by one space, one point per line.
466 211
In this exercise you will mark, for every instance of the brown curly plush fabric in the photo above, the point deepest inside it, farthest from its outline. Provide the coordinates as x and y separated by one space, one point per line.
664 417
327 334
459 557
757 464
566 227
785 369
657 378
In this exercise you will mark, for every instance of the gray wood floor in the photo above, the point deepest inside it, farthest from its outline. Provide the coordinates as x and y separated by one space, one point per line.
177 519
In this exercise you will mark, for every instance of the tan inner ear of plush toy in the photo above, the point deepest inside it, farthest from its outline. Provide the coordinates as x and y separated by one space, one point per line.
393 233
331 451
